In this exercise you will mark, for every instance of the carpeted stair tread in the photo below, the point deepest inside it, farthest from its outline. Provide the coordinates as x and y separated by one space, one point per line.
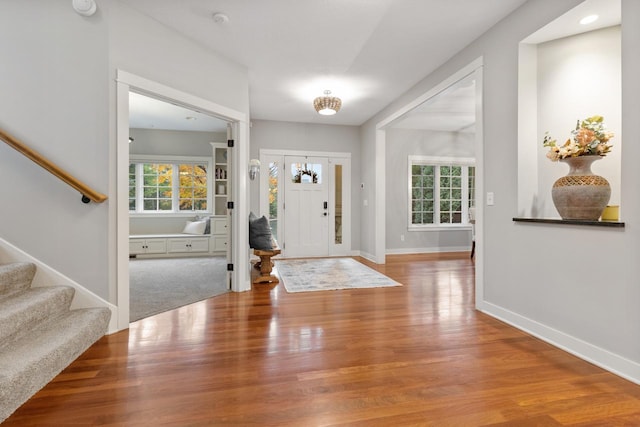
16 277
24 310
31 362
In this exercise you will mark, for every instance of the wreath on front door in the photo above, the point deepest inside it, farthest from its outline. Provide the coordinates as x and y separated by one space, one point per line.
298 176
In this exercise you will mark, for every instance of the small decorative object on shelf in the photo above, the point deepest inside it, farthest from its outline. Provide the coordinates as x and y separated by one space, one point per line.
580 194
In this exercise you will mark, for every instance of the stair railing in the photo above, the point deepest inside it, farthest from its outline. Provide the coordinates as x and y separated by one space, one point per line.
88 194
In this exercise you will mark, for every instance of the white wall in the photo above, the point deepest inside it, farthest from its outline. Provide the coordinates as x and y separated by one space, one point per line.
58 95
54 85
172 142
578 77
400 144
575 286
311 137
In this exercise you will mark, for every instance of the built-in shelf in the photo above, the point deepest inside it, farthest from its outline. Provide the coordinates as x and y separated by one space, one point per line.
615 224
221 181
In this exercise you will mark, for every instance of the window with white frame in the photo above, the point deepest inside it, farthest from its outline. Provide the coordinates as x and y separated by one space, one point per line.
441 191
160 184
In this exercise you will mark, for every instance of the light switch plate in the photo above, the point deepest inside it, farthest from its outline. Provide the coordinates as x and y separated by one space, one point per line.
490 200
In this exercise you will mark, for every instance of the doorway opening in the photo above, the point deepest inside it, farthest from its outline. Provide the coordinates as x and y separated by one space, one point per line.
179 182
173 193
443 216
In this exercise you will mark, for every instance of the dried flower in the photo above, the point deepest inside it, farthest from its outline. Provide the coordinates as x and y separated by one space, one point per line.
588 138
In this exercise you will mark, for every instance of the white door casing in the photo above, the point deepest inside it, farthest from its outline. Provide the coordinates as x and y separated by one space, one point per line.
239 235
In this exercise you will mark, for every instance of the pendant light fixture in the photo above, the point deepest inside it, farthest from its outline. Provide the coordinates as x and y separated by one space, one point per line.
327 105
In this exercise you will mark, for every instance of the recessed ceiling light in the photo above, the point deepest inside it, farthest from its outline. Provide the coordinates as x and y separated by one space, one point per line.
190 118
589 19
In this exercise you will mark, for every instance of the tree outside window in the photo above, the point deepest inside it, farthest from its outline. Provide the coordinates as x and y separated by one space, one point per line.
193 187
168 187
273 197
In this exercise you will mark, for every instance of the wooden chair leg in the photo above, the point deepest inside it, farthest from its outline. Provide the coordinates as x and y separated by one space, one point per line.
473 248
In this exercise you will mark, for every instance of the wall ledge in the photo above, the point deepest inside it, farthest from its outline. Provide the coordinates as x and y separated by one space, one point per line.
605 223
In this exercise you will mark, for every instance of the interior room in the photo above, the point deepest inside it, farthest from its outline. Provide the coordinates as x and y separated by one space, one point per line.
177 246
445 189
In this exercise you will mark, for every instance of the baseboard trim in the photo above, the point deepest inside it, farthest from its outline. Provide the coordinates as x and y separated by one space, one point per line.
368 256
600 357
48 276
407 251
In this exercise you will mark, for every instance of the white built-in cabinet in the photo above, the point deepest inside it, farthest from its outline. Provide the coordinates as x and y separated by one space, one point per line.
219 234
220 178
150 246
147 246
197 244
221 190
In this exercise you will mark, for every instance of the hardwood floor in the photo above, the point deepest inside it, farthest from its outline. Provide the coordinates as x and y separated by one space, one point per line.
412 355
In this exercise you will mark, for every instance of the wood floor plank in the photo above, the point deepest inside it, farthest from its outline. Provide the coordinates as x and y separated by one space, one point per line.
417 354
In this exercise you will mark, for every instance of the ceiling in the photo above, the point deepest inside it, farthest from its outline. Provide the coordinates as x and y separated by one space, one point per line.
367 52
150 113
609 13
452 110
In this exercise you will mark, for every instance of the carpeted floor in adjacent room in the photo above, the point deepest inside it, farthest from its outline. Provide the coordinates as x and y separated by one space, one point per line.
162 284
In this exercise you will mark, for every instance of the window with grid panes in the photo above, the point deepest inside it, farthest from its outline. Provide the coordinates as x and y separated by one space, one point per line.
441 191
132 187
193 187
472 186
168 186
156 186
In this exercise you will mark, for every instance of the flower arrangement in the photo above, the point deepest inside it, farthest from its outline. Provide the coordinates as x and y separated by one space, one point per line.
588 138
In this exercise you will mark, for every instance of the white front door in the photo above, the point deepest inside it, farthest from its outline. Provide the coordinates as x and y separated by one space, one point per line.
306 210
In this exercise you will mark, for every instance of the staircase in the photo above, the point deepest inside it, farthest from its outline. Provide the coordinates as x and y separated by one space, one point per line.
39 334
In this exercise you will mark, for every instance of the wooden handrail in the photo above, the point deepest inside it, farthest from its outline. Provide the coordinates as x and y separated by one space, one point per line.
88 194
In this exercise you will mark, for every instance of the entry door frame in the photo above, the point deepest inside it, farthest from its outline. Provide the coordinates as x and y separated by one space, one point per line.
269 155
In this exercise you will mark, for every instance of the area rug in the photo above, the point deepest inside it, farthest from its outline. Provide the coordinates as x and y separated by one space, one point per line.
163 284
325 274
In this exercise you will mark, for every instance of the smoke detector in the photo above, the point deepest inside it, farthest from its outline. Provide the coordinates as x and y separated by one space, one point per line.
220 18
84 7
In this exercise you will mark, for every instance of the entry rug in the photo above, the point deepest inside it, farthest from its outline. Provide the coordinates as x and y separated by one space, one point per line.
325 274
